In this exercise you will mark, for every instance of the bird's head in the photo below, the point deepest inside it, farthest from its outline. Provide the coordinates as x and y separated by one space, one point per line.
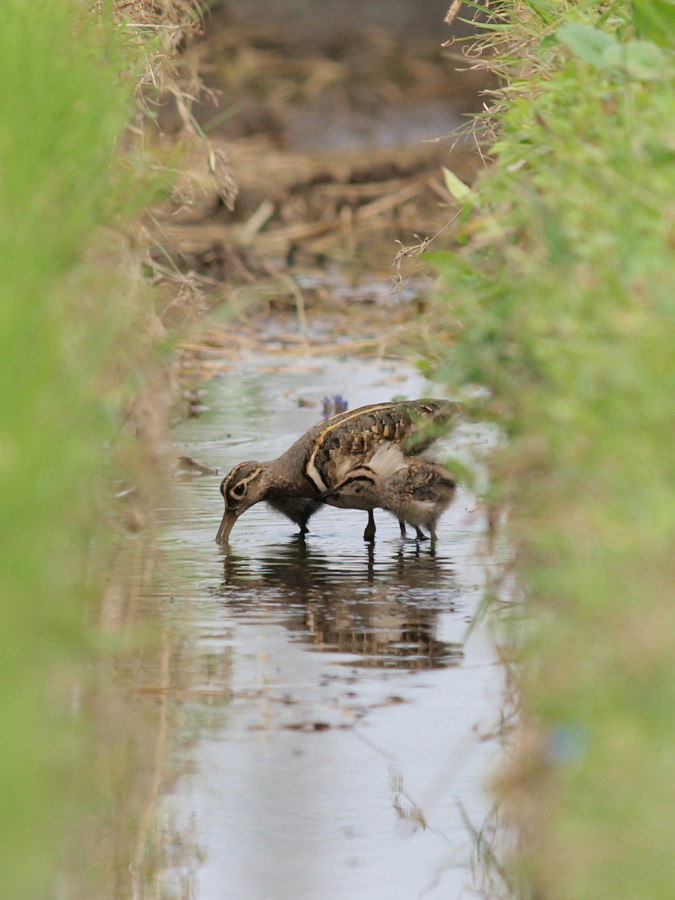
241 488
358 490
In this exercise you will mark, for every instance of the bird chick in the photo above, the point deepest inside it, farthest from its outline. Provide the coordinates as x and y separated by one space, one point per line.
416 491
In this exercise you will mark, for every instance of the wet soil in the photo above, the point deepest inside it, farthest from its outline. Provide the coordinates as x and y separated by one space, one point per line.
323 155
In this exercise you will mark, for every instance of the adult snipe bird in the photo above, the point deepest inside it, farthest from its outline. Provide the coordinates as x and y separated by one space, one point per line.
296 482
416 491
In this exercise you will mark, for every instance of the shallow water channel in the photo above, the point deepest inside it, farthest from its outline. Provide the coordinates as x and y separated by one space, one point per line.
333 713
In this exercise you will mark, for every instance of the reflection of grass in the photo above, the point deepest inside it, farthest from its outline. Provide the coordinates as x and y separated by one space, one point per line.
63 102
564 293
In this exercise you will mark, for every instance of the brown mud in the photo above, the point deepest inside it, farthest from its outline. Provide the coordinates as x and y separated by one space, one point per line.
337 146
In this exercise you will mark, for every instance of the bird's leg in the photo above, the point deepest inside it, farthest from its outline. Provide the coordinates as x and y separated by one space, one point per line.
421 536
304 529
401 525
369 533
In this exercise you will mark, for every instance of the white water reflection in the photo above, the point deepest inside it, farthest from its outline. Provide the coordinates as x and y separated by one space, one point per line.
337 709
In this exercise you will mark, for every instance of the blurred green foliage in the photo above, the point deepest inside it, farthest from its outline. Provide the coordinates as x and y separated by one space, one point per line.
562 279
64 98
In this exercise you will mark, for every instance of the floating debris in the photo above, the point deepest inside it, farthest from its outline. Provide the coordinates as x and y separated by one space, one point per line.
187 464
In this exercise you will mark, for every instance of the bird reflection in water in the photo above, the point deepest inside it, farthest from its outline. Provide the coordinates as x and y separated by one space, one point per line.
381 608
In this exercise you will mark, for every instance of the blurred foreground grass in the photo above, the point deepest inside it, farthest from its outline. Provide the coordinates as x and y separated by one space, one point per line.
70 344
562 280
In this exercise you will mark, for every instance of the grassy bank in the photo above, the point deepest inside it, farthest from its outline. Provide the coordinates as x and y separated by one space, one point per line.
561 282
71 339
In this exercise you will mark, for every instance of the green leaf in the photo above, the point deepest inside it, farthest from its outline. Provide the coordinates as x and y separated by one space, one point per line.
655 19
544 9
461 472
548 40
639 59
642 60
586 42
458 189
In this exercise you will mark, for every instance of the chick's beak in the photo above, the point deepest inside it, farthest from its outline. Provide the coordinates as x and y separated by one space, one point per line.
229 518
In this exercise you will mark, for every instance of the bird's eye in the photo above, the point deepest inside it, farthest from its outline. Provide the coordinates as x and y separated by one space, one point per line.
239 490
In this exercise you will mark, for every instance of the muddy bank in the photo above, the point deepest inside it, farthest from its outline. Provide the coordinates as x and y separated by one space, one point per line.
337 152
326 25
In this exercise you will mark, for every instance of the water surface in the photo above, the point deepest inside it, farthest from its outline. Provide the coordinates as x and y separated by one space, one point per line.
334 710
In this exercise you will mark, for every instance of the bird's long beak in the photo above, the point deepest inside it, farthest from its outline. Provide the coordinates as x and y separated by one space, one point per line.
229 518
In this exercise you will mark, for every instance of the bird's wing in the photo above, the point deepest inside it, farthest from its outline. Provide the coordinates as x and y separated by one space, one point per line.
353 438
